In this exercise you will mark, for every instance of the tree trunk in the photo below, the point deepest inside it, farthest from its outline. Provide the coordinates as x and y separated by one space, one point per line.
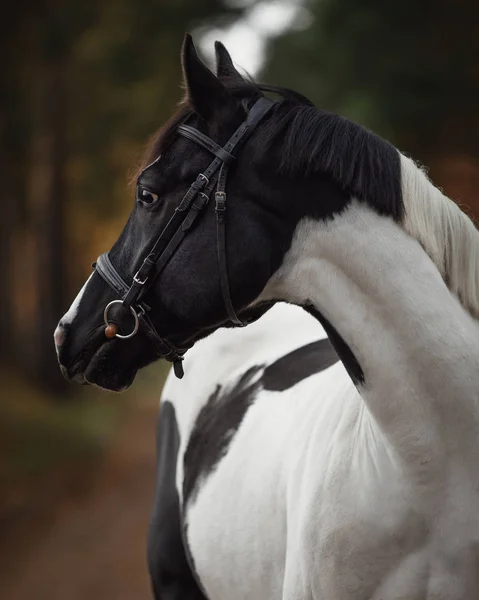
48 200
12 159
6 227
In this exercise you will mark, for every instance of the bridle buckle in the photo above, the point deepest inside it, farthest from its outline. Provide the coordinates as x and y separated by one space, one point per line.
204 178
139 281
220 201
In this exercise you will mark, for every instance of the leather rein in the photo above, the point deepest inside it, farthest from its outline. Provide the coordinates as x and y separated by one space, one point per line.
184 217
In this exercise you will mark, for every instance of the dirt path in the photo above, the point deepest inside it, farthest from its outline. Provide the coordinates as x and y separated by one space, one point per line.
94 549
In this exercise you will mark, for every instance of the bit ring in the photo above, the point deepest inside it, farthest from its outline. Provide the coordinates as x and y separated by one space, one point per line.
133 312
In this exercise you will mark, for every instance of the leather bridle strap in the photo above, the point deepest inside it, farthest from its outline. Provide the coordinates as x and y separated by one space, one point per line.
257 112
192 204
108 272
180 223
203 140
111 276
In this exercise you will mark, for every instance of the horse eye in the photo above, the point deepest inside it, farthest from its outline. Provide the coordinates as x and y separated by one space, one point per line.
146 197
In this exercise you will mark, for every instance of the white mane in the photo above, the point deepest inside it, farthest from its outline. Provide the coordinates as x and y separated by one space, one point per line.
445 232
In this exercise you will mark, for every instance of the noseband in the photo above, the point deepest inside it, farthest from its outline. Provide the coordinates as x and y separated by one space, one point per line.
185 215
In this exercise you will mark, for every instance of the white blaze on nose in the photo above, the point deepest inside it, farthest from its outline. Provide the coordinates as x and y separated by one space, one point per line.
69 316
59 334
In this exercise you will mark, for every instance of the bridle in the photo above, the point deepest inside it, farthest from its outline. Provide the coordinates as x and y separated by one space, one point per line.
184 217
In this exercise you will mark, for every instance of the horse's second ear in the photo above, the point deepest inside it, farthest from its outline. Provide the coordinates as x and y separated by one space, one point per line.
224 64
205 91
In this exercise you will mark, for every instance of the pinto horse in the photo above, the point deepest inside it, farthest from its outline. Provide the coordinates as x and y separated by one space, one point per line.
328 450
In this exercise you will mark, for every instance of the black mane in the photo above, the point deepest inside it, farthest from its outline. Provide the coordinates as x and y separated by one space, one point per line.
360 162
314 141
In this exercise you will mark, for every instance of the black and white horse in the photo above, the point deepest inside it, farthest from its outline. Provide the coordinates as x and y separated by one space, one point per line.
330 453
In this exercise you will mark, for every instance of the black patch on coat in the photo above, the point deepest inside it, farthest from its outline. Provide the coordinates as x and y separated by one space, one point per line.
223 413
215 426
168 559
345 353
299 364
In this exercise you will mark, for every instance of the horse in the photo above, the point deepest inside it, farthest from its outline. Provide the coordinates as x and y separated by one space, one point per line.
318 437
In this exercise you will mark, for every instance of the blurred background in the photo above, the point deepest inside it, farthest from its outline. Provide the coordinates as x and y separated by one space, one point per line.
84 85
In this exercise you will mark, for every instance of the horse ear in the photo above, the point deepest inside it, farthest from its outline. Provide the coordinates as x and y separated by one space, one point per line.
204 90
224 64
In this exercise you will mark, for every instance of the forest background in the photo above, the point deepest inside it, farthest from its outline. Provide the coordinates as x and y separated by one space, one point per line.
84 85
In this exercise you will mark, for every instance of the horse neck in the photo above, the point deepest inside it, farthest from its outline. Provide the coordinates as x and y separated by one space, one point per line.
416 345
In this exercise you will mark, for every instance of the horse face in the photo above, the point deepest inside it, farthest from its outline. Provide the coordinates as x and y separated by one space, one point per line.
185 298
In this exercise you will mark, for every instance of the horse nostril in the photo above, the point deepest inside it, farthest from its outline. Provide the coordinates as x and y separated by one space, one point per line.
59 335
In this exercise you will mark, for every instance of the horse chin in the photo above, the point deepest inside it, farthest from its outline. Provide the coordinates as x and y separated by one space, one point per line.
101 372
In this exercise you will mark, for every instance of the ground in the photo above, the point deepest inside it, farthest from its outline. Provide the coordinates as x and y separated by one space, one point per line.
93 546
